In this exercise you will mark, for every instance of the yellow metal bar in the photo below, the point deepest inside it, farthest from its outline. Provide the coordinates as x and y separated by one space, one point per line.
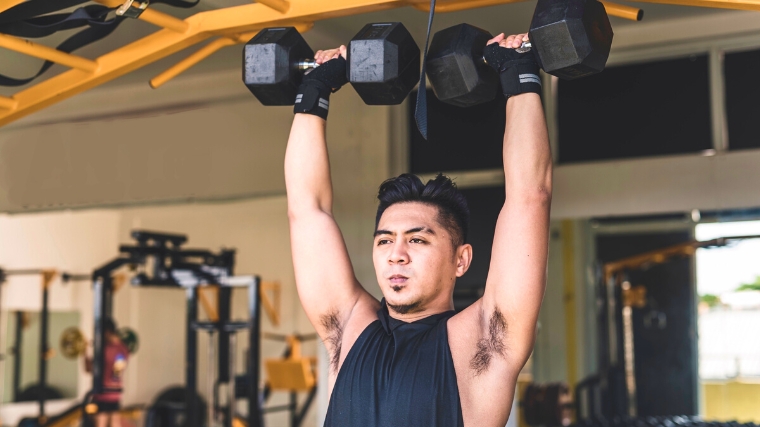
164 20
621 11
8 103
227 22
455 6
191 60
208 306
48 53
281 6
7 4
720 4
568 279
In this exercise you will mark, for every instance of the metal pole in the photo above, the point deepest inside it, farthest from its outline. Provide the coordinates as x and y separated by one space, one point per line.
293 409
98 335
17 354
43 349
255 418
231 383
210 375
191 358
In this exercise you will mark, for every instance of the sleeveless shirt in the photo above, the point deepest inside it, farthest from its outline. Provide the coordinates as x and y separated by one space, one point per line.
398 374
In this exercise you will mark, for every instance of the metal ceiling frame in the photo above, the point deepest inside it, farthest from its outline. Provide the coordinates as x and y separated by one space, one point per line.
230 26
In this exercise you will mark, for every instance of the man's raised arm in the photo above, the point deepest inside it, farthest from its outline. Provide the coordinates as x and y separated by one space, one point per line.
324 276
517 275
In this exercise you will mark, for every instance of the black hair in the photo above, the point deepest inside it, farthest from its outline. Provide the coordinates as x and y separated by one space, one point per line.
441 192
109 325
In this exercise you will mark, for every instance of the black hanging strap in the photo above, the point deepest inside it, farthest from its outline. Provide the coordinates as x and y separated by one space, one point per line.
420 110
33 8
96 32
25 20
44 26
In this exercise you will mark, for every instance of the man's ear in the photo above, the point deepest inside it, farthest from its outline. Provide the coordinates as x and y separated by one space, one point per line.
464 258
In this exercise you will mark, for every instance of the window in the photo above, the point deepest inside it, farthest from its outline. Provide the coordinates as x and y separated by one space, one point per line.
458 138
639 110
742 93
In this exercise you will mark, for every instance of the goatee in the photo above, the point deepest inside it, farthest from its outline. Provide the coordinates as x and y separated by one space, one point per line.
403 308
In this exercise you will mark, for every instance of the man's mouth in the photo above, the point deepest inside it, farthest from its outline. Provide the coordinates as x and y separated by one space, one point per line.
398 279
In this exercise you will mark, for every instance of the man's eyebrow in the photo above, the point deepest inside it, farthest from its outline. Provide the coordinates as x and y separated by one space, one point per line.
420 229
381 232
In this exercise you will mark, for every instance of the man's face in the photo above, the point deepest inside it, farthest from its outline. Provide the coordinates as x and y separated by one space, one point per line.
415 261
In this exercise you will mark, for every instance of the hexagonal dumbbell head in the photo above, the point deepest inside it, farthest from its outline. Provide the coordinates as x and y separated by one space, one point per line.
269 64
456 69
572 37
383 63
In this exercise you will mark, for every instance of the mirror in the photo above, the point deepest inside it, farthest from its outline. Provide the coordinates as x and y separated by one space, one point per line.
21 370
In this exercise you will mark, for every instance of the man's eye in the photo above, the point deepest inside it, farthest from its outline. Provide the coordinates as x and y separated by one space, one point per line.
415 240
383 241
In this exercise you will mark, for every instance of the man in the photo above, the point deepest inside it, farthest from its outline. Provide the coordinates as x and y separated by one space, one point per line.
409 360
114 363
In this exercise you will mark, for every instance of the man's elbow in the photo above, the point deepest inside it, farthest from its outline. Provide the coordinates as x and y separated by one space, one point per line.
305 209
540 196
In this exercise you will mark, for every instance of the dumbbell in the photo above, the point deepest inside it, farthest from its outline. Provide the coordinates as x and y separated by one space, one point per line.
383 64
569 38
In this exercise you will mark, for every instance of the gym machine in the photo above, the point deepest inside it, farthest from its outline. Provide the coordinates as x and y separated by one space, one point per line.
611 393
162 262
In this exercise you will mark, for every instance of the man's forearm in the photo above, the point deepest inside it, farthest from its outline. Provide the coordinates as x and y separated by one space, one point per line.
527 156
307 168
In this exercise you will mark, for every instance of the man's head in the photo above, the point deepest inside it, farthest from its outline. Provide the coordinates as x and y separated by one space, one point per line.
420 235
109 326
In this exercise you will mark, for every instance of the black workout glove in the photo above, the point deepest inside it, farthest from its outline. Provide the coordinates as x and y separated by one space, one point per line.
317 85
518 72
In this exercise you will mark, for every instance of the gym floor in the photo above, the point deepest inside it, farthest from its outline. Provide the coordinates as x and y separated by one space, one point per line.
647 154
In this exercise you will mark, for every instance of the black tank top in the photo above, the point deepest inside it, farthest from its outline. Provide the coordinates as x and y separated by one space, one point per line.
398 374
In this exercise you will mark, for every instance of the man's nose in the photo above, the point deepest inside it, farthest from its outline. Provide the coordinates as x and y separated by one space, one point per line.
398 254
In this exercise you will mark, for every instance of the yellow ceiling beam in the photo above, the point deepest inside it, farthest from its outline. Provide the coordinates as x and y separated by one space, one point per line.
191 60
222 22
164 20
720 4
7 4
8 103
47 53
281 6
622 11
455 6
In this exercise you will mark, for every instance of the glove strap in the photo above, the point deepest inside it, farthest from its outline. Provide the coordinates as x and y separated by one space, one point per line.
520 78
313 98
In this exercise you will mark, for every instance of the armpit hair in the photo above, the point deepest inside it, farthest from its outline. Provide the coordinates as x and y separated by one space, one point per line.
492 345
333 337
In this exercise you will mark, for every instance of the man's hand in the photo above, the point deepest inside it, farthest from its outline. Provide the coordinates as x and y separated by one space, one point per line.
318 83
323 56
518 71
513 41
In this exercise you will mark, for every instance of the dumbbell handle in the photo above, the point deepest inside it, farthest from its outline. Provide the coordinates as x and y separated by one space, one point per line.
306 65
